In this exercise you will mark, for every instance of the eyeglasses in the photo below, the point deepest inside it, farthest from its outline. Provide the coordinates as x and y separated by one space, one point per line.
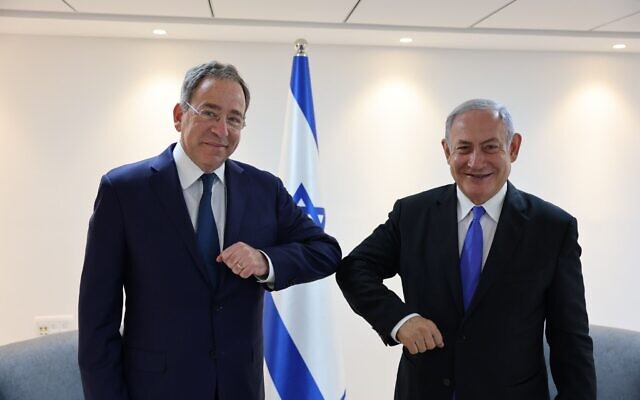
208 114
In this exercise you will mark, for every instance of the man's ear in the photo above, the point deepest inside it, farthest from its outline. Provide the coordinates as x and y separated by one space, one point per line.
446 149
177 117
514 148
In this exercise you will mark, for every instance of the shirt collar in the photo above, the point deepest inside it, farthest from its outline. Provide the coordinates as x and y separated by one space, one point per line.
493 206
188 171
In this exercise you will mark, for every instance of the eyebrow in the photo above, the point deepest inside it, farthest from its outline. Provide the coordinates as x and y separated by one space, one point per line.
482 143
218 108
494 140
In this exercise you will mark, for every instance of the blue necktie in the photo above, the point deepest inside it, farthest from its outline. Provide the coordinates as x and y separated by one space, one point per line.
207 233
471 258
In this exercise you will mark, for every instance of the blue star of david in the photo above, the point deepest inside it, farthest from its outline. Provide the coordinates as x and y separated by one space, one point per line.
302 200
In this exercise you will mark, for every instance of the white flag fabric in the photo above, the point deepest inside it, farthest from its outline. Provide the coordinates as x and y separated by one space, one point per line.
301 351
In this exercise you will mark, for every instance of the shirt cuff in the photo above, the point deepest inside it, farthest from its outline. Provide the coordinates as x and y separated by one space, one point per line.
271 276
396 328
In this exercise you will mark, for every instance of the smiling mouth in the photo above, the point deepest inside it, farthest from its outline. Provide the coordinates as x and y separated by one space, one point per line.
478 176
221 145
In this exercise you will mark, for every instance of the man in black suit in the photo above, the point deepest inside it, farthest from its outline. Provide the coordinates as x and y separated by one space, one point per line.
484 268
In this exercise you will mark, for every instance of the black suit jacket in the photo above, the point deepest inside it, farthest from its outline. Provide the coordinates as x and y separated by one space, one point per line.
494 350
184 338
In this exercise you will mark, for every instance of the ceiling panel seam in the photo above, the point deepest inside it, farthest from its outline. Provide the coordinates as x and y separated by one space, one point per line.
615 20
492 14
351 12
69 5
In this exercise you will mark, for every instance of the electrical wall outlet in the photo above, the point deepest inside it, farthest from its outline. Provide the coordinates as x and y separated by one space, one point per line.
48 324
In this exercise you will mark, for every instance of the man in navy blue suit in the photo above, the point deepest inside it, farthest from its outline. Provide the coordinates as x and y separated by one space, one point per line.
192 323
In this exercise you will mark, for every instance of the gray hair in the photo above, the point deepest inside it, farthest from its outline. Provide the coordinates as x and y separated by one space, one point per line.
481 104
215 70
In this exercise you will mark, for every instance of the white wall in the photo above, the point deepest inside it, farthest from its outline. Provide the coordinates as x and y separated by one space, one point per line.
72 108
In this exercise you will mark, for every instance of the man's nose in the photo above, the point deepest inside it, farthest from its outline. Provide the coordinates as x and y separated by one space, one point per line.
476 158
220 127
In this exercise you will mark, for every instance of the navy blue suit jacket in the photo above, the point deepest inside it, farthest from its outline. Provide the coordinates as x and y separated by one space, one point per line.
494 349
182 338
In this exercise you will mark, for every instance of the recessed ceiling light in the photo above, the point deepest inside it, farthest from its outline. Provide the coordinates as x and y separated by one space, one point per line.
619 46
406 40
159 32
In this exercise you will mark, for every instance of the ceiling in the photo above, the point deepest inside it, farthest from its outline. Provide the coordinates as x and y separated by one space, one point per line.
551 25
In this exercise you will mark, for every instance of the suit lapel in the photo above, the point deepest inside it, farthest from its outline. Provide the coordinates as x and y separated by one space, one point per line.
512 224
237 194
446 248
166 184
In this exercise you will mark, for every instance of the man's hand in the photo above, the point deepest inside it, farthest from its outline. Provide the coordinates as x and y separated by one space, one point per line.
419 334
244 260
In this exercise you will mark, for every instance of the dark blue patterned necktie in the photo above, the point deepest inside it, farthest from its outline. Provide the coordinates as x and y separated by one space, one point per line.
471 258
207 233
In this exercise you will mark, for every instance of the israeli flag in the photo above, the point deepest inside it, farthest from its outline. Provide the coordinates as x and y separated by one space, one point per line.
301 351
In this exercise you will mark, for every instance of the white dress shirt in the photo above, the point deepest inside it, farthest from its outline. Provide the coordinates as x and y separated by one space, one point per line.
488 222
189 175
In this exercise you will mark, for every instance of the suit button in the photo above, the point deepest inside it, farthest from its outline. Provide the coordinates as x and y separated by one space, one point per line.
463 338
446 382
213 355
